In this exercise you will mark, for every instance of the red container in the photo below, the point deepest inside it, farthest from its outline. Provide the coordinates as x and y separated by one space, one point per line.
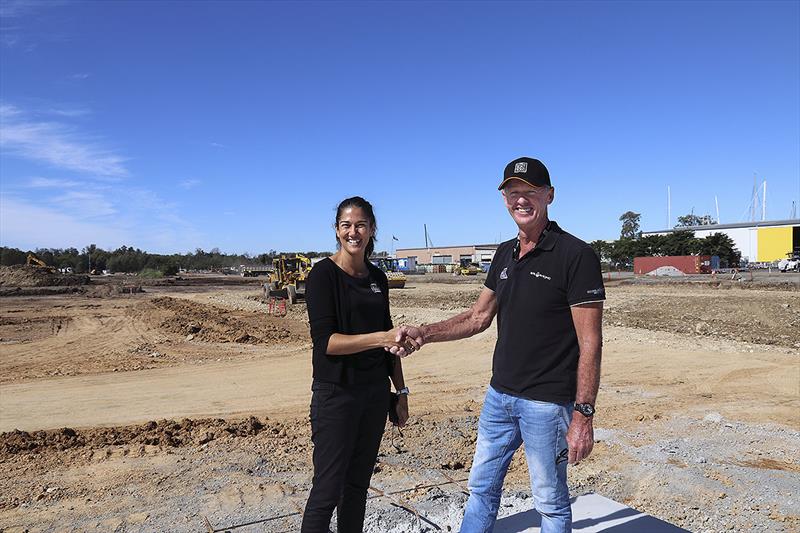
688 264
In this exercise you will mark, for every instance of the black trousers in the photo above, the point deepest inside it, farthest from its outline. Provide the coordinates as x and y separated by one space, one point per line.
347 423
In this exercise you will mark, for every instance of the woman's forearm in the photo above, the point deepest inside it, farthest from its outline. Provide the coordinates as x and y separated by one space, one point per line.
341 344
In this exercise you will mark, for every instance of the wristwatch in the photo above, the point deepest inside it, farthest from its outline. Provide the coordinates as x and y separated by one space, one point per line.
402 391
586 409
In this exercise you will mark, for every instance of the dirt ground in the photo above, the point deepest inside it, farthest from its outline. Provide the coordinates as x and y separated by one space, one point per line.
184 404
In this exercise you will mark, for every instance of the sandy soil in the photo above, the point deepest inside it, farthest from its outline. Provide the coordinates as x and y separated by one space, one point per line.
159 410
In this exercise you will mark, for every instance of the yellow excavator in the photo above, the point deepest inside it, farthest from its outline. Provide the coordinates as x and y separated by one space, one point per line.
288 277
34 261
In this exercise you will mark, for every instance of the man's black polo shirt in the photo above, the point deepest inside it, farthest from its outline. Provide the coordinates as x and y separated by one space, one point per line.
536 355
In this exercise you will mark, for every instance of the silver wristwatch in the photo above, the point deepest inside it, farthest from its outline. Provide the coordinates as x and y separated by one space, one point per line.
404 390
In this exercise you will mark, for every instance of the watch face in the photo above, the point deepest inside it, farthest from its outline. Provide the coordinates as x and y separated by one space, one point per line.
585 409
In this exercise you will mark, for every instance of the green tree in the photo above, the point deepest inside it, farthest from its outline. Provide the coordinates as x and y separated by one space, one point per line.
680 243
693 220
12 256
723 246
630 225
603 249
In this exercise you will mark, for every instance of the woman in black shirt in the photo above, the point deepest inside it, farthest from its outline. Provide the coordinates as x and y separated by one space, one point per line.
351 329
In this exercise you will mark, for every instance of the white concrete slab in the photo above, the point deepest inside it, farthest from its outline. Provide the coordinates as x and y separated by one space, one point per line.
591 513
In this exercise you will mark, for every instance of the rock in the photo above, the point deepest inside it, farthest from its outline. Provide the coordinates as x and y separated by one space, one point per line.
702 460
702 328
189 336
713 417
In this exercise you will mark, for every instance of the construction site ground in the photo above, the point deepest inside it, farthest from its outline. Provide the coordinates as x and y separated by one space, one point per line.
172 405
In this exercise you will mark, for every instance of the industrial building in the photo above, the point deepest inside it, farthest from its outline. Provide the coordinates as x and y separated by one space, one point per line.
758 242
445 255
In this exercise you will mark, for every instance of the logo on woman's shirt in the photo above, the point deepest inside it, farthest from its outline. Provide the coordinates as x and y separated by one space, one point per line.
375 288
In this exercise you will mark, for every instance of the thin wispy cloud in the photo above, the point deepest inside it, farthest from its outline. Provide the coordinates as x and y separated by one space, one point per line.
29 226
16 8
12 12
217 145
94 191
19 8
9 40
51 183
79 76
189 184
69 112
82 205
56 144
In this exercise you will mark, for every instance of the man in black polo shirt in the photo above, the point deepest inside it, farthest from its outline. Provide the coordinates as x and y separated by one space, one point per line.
546 288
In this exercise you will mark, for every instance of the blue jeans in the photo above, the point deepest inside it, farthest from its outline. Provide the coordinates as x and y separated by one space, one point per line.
506 422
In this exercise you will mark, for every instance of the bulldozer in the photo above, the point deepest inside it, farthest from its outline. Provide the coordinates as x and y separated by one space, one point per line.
467 267
288 277
397 280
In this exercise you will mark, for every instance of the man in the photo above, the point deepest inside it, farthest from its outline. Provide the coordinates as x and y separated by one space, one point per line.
546 288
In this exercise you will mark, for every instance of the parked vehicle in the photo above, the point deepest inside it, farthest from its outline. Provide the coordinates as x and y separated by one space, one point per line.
791 263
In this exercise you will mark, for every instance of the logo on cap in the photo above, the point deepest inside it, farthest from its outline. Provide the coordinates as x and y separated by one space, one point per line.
521 167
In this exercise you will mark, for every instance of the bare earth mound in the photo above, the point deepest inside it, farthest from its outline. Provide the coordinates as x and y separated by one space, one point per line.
215 324
29 276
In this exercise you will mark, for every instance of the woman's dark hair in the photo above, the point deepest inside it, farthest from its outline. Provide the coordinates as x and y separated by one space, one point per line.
366 207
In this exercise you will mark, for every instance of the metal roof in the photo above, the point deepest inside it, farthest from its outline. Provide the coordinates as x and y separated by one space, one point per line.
489 246
757 224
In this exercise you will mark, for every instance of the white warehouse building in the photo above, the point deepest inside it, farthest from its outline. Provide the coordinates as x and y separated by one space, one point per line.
764 241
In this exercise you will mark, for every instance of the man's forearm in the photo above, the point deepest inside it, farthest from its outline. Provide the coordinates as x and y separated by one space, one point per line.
588 320
589 372
461 326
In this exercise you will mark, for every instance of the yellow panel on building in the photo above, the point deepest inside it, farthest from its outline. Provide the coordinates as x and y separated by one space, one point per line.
774 243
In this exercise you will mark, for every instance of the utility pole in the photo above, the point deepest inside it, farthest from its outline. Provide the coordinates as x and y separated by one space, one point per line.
669 207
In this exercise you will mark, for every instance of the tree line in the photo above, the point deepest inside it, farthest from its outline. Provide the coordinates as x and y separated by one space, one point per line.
620 253
133 260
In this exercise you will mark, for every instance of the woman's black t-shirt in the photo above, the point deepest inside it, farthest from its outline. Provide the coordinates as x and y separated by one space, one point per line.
340 303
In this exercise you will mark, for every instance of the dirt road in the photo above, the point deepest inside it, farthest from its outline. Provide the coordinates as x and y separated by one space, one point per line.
697 423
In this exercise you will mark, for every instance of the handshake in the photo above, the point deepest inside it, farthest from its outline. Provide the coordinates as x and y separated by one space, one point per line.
404 340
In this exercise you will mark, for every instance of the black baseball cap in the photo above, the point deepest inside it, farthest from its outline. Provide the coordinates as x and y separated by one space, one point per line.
527 169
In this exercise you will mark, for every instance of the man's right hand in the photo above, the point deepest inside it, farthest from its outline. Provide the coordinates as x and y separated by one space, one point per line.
408 336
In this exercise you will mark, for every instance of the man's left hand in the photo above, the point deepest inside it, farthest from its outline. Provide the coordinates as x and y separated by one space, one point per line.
580 438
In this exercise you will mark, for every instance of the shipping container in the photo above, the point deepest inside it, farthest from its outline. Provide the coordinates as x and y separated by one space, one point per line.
688 264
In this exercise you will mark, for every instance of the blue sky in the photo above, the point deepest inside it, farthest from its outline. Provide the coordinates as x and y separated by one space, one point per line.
170 126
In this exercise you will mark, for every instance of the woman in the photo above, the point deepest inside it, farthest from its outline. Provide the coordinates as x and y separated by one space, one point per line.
351 330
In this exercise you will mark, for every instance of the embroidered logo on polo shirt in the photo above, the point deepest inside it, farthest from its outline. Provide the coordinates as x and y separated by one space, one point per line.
375 288
540 275
596 291
504 273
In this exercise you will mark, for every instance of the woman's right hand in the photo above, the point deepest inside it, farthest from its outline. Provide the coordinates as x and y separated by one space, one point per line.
399 344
